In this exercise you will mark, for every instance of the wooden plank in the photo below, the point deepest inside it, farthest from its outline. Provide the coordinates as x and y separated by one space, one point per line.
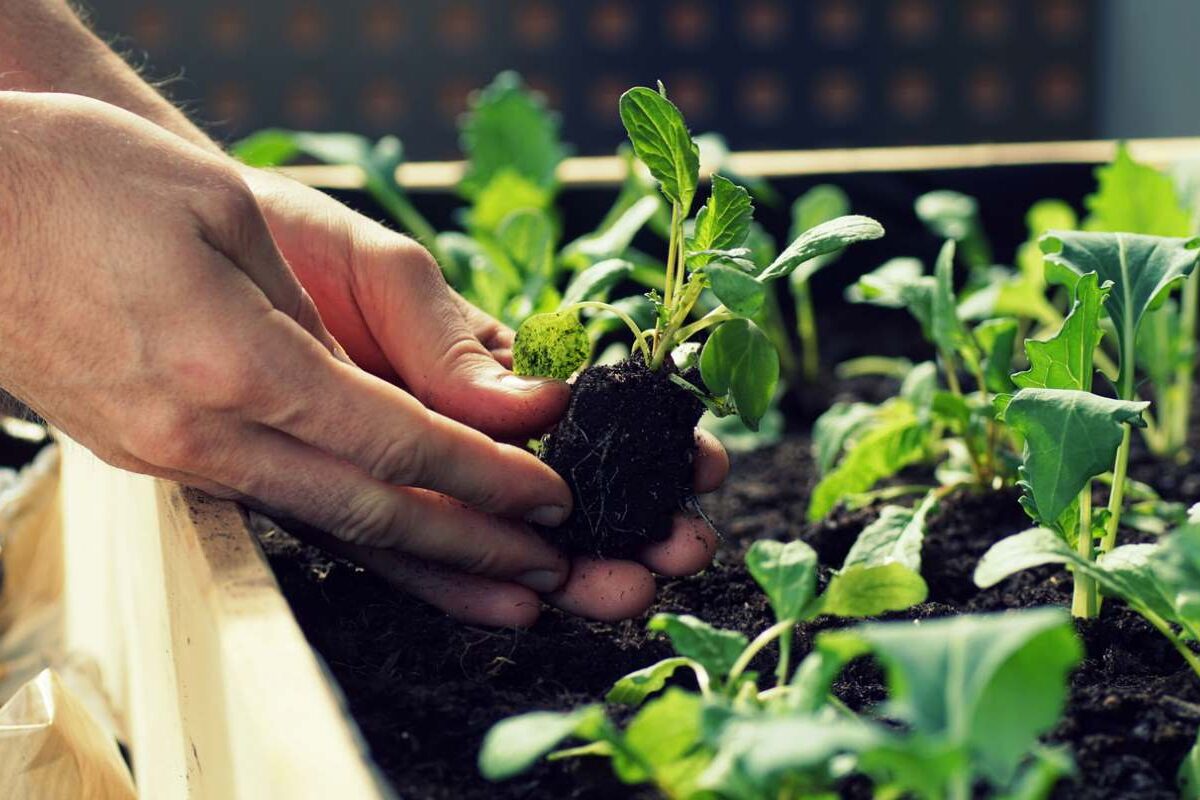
219 694
599 171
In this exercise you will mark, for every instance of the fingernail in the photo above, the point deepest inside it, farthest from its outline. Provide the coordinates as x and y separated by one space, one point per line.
541 580
550 516
524 383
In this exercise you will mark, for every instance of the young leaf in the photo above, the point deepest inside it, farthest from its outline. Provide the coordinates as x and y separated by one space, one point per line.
271 147
527 236
1070 437
595 281
722 223
660 139
613 237
945 327
897 440
662 744
818 205
714 649
835 428
826 238
740 363
1135 198
512 745
787 574
997 338
895 536
1142 270
635 687
899 283
953 215
507 192
986 686
862 590
739 292
550 345
508 128
1065 360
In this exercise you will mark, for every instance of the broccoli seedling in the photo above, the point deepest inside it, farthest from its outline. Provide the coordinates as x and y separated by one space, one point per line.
738 363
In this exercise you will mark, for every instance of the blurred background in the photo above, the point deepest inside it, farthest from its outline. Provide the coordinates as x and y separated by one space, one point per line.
766 73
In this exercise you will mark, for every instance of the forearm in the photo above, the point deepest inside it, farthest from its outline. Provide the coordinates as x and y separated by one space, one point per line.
45 47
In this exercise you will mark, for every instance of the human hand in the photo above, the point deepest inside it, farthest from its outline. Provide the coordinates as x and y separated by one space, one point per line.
377 293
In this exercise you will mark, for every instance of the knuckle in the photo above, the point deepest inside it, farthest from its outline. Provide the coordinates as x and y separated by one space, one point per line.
367 517
228 205
400 459
169 437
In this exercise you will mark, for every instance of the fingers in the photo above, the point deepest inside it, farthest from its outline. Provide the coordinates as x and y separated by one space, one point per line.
302 482
689 549
419 323
605 590
712 463
472 599
386 432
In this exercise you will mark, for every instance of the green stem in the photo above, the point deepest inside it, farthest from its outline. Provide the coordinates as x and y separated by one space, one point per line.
639 336
1184 373
1161 625
669 290
785 657
1083 600
715 317
1116 497
762 640
806 326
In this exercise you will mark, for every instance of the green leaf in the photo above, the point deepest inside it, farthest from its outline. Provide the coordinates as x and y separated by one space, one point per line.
787 574
527 236
899 283
272 147
550 345
895 536
896 440
512 745
1070 437
1176 564
997 338
1188 777
740 364
635 687
986 686
739 292
662 744
835 428
828 237
722 223
820 204
1142 270
714 649
948 214
1135 198
615 236
595 282
865 590
945 327
507 192
507 128
660 139
1065 360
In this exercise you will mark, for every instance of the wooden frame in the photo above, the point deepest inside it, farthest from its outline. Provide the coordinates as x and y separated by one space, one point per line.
212 683
437 176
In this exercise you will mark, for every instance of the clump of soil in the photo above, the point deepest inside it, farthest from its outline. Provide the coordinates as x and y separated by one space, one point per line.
625 447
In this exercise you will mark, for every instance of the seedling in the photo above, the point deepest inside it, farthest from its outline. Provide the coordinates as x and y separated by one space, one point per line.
625 443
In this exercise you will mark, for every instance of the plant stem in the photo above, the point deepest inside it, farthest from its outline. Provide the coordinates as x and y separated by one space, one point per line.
1188 302
1083 600
715 317
762 640
806 326
1161 625
639 336
669 290
785 657
1116 497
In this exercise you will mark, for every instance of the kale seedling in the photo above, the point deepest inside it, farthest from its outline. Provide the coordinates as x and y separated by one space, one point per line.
626 443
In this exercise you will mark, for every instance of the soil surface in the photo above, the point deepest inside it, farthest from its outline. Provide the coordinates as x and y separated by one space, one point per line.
625 447
425 689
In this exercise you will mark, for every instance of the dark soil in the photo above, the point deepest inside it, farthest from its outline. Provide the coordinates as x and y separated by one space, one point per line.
425 689
625 447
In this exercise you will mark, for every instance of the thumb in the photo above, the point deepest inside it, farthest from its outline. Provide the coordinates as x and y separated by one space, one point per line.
420 325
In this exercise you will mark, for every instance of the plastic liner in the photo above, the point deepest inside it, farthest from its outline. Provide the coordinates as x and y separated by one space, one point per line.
55 730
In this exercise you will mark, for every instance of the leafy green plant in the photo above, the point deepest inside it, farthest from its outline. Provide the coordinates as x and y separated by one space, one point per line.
738 363
968 698
818 205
